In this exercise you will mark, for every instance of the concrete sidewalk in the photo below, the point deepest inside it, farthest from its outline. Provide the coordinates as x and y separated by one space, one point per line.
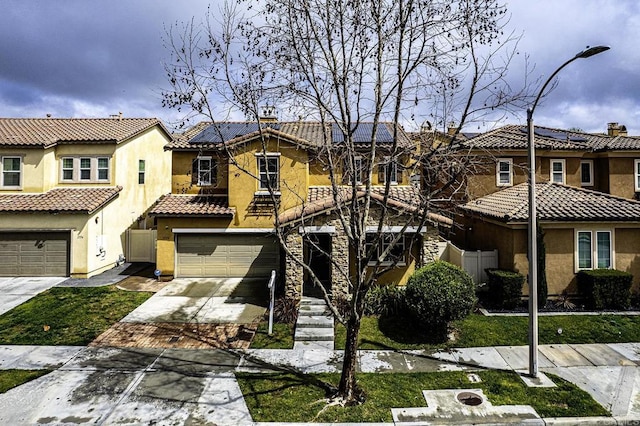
177 386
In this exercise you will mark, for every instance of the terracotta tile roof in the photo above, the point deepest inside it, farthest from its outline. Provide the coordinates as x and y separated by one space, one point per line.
555 202
320 199
59 200
515 137
207 135
45 132
193 205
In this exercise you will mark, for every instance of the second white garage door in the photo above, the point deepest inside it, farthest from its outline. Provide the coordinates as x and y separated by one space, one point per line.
214 255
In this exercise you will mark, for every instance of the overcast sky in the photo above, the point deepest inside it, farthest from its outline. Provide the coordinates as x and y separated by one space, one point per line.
79 58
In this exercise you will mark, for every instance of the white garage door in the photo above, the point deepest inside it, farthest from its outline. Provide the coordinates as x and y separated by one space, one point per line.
213 255
34 254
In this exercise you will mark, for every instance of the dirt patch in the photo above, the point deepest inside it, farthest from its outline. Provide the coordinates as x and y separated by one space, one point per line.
177 335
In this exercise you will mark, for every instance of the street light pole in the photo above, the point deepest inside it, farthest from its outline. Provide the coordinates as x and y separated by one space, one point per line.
532 248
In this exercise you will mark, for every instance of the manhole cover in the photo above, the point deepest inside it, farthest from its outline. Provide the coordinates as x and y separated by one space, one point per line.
469 398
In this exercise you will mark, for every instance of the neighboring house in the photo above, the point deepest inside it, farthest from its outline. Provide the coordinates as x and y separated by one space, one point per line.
71 188
586 192
219 219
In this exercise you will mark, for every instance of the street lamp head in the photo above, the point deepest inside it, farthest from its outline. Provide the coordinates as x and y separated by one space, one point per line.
590 51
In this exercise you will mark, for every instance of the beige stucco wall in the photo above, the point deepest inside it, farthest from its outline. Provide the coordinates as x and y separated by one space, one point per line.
621 176
38 166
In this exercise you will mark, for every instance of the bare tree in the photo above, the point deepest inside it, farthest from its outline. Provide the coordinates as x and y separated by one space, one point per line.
345 63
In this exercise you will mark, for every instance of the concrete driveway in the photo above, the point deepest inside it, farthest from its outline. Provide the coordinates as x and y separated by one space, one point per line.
15 291
205 301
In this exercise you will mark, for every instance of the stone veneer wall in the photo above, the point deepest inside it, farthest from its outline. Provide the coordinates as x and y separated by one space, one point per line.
294 273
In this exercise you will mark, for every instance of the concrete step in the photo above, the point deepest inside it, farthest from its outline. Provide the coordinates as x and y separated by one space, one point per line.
326 345
313 334
312 310
312 301
314 321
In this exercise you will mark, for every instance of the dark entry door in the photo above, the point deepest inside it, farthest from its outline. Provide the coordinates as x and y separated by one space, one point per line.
318 257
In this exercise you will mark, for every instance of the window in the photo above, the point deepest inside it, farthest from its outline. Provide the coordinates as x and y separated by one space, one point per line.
205 171
637 174
11 172
557 171
383 170
598 253
358 172
504 175
586 173
395 254
84 169
268 172
141 166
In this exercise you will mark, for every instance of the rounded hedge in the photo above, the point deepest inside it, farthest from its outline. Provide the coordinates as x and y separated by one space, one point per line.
439 293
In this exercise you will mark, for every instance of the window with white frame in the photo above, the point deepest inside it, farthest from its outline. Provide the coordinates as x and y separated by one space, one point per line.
11 177
586 173
594 249
85 169
204 171
387 241
389 168
504 172
557 174
354 171
268 172
141 171
636 167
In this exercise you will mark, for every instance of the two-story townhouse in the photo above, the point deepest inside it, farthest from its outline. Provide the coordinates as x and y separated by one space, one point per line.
586 194
233 183
71 188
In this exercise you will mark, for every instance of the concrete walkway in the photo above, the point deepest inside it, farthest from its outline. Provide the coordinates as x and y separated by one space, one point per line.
176 386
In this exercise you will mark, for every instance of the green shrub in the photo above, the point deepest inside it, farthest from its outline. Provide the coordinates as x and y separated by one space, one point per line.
505 288
605 288
384 299
440 293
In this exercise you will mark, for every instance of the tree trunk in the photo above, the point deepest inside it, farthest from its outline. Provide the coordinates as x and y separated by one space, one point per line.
348 389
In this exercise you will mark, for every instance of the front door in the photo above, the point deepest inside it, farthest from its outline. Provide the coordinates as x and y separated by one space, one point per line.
317 250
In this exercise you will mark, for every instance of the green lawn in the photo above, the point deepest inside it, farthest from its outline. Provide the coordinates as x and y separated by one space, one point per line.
67 316
282 337
11 378
478 330
285 397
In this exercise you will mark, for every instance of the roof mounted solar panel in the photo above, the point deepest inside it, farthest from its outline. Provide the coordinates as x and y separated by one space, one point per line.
555 134
223 132
362 133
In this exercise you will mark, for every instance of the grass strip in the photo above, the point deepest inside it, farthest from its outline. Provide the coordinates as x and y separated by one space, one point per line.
9 379
290 398
282 337
67 316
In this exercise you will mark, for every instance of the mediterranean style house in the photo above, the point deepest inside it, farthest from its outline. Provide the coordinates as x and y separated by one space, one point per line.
233 183
71 188
587 191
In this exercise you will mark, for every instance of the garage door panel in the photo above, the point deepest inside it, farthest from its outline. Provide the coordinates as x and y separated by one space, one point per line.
34 254
226 255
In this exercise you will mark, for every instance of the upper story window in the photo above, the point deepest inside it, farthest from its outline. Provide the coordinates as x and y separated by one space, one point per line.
586 173
389 168
636 168
204 171
504 172
268 172
85 169
557 171
354 172
594 254
141 171
11 177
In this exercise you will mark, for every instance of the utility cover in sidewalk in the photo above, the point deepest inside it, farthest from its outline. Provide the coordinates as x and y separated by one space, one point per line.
464 406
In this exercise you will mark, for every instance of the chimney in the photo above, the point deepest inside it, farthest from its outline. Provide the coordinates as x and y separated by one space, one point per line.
615 129
452 129
268 114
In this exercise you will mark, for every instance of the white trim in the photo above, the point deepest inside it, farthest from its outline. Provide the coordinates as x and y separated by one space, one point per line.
563 171
636 175
508 161
594 247
324 229
396 229
223 230
268 154
590 164
20 171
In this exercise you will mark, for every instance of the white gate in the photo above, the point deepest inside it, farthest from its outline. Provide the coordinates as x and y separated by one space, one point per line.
141 245
473 262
